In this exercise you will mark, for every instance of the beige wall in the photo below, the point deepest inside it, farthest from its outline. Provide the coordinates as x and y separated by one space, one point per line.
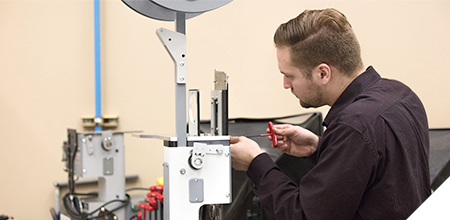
47 75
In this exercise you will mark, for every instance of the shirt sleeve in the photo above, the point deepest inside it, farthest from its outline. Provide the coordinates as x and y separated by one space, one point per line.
332 189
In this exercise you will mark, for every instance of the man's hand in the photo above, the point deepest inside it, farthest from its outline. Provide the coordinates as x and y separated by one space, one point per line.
295 140
243 151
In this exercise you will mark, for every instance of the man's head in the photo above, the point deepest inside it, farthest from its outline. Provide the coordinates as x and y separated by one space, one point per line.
316 41
320 36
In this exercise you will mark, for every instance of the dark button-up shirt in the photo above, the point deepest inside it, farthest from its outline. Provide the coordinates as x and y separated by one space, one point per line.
371 162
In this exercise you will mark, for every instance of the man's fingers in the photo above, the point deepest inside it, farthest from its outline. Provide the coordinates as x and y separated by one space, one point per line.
234 140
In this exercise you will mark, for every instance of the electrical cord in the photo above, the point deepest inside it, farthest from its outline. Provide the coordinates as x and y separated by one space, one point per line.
53 212
137 188
74 210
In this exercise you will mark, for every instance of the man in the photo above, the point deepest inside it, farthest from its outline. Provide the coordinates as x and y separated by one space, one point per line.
372 160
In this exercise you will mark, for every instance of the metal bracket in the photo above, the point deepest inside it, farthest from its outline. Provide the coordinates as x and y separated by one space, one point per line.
175 44
199 152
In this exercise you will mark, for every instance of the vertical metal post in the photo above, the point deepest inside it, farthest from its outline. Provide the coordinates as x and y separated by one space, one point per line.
180 90
180 23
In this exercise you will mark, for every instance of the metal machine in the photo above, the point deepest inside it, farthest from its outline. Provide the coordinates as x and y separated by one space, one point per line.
197 169
197 176
98 155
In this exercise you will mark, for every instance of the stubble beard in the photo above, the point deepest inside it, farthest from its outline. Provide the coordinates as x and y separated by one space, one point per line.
315 100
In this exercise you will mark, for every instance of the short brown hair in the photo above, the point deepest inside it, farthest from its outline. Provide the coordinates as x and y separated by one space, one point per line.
320 36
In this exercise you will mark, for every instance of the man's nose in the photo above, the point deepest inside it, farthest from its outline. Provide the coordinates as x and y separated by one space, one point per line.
286 83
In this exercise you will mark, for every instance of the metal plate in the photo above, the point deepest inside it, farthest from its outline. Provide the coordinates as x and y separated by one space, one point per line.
108 166
154 11
190 6
196 190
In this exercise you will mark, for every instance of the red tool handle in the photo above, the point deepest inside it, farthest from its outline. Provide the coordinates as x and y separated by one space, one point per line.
158 188
272 134
139 216
152 202
156 195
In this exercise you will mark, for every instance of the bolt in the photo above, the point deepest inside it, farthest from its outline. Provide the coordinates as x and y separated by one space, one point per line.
198 162
84 170
227 195
181 78
181 63
219 151
182 171
227 154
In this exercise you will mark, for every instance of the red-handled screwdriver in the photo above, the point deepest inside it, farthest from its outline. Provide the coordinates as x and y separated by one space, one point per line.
272 134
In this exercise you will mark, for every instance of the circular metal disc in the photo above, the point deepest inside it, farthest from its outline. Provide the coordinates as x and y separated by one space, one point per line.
192 6
152 10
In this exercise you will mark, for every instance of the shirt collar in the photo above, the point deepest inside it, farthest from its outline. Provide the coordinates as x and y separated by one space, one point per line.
356 87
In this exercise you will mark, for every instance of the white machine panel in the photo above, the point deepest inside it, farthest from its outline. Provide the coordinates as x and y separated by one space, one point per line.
191 188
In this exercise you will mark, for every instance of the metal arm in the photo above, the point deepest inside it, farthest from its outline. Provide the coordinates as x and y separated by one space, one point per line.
175 44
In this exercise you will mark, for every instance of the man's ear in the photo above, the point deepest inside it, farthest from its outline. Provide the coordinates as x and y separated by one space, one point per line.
322 73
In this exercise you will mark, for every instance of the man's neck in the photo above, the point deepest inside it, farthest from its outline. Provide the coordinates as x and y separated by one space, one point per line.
340 83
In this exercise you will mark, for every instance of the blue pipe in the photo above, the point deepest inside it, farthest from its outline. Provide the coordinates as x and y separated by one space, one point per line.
98 92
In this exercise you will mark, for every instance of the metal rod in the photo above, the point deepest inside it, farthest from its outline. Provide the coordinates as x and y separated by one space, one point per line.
98 93
180 91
